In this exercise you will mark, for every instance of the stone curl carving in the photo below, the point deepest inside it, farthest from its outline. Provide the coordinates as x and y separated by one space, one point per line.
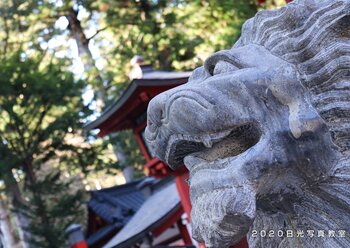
264 129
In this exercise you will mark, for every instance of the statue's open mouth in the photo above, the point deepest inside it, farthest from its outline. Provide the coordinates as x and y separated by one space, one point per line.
211 147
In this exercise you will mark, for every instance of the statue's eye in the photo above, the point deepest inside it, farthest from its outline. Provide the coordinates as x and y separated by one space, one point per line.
222 62
222 67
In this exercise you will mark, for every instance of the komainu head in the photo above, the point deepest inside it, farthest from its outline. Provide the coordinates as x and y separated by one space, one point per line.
264 129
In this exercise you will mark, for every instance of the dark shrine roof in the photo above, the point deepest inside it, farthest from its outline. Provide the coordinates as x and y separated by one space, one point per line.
117 205
154 212
153 83
102 233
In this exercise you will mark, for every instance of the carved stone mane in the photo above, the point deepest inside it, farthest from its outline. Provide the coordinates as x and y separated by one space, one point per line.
264 129
315 36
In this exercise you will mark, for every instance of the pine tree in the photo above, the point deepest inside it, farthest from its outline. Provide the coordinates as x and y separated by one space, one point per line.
41 110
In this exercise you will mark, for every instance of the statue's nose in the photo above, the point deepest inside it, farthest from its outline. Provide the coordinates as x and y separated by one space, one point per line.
156 113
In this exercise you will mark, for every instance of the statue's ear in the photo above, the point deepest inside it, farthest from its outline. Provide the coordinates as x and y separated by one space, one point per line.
199 74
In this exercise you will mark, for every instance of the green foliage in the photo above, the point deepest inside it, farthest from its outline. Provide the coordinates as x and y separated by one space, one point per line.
126 141
38 106
50 196
171 35
41 112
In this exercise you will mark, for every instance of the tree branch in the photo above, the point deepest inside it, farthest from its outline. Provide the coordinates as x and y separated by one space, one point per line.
97 32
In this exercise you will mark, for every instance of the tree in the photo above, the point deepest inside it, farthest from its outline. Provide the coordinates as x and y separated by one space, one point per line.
41 111
169 34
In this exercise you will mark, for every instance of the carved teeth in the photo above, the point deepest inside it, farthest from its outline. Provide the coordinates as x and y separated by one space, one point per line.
207 142
180 145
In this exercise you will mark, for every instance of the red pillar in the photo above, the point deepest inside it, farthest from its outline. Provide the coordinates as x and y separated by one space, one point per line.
75 236
181 176
184 232
81 244
141 144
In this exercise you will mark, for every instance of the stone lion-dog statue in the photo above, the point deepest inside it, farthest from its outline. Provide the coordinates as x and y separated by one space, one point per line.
264 130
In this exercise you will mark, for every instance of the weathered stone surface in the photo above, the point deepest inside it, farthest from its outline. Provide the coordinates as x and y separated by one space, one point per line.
264 129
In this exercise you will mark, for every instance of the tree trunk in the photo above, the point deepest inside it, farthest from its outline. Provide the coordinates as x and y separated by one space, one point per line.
84 52
6 228
42 213
17 200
